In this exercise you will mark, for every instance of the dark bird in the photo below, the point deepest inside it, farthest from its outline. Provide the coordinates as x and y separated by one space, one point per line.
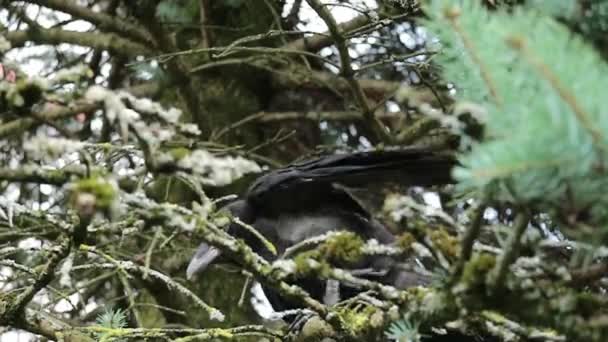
308 199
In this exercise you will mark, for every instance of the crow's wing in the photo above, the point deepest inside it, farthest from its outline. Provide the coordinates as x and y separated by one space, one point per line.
310 183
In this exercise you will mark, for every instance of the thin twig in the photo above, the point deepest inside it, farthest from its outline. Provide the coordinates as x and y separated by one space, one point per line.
510 251
468 240
379 132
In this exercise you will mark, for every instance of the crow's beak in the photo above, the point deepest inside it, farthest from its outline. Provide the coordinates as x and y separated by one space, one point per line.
204 256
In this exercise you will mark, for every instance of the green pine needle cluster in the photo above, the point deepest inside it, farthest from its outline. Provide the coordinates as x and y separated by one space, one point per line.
111 319
403 330
546 136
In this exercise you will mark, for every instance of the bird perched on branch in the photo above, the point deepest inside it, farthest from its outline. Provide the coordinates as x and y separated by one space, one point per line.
311 198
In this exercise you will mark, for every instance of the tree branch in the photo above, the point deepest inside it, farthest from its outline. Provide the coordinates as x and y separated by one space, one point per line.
99 41
321 116
38 175
14 309
59 112
378 129
300 78
103 21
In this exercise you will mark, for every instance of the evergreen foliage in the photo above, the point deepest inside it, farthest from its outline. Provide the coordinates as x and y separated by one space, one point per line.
111 319
403 330
546 127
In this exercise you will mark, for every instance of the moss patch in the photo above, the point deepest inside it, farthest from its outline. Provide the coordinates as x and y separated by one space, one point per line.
446 243
343 248
477 268
361 319
346 247
103 191
405 241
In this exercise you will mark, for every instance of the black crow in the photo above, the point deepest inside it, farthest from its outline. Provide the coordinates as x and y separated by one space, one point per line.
307 199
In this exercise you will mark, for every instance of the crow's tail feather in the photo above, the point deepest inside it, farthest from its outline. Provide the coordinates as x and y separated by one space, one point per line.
412 166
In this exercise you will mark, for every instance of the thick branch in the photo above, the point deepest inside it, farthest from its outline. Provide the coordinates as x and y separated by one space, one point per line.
103 21
38 175
99 41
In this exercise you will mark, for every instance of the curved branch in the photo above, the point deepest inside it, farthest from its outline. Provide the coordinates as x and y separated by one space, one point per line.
103 21
99 41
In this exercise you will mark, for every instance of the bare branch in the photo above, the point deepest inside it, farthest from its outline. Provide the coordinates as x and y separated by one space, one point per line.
347 72
103 21
99 41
